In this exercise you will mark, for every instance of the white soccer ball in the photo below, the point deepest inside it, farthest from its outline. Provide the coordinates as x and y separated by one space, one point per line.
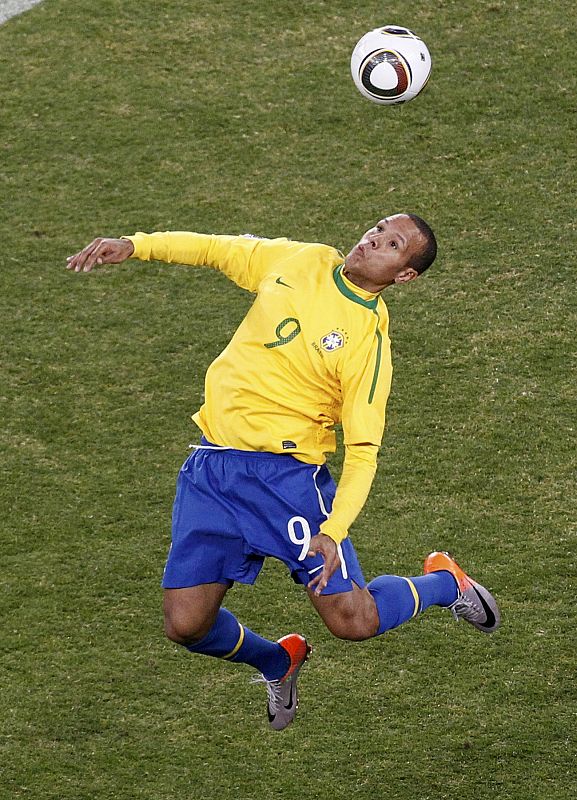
390 65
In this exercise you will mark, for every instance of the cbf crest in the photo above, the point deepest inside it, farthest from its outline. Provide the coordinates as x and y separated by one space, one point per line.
333 341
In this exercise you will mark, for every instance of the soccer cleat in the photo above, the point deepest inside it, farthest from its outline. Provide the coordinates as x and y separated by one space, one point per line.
282 693
474 603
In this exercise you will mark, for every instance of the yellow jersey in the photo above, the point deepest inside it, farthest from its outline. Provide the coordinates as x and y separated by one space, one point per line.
312 351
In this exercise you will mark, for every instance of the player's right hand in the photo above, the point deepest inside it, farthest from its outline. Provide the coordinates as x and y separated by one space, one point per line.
323 544
100 251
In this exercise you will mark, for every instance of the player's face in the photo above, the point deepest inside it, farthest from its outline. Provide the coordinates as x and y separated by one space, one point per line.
383 254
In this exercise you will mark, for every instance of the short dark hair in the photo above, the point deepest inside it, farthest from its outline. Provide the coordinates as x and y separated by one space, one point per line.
428 253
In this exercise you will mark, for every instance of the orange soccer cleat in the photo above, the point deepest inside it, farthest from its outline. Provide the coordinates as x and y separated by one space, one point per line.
474 603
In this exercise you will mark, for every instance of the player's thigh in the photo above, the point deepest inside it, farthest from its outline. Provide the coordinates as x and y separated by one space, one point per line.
189 613
348 615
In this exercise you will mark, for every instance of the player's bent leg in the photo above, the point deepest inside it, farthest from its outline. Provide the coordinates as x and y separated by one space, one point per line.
387 602
348 615
195 619
390 600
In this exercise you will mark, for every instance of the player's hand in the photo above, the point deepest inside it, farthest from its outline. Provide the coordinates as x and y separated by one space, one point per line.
100 251
323 544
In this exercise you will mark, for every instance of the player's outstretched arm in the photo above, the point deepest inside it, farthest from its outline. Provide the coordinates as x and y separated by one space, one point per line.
100 251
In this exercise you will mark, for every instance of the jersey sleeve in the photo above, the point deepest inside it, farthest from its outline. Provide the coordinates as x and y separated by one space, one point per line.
352 491
365 384
365 389
246 260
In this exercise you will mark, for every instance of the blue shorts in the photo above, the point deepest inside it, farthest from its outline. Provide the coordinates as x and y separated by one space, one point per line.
233 508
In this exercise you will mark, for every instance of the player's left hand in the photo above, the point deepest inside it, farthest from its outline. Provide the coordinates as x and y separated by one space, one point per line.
323 544
100 251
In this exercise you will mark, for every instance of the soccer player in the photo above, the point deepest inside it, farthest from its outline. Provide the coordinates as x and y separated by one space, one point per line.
312 351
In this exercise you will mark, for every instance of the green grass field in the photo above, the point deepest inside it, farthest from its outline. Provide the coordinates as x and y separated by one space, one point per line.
229 117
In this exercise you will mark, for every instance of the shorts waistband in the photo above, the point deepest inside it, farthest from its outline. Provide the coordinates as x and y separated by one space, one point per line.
207 446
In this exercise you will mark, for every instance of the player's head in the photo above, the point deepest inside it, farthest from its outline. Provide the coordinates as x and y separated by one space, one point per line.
425 257
397 249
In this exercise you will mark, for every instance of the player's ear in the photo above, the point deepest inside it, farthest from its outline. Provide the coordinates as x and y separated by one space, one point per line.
408 274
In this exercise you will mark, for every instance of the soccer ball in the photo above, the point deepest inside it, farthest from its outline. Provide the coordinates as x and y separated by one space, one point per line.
390 65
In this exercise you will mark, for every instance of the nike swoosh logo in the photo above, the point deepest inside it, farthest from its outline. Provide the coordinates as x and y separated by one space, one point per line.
288 706
282 283
490 617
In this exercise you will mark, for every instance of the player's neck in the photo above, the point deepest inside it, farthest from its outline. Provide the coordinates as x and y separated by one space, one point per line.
360 281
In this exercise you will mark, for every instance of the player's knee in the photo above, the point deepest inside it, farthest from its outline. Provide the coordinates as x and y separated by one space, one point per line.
184 629
352 627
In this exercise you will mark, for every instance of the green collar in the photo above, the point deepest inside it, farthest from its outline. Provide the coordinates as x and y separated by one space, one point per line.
349 294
